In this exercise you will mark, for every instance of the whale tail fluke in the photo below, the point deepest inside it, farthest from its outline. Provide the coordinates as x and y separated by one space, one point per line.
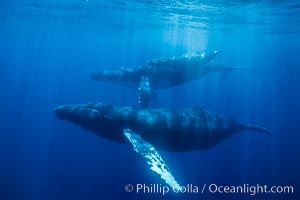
241 67
258 129
261 130
219 51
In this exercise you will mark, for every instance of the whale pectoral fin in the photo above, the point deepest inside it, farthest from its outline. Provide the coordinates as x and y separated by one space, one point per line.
153 158
144 92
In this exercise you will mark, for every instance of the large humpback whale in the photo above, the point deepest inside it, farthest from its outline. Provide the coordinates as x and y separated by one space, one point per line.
169 130
162 73
147 129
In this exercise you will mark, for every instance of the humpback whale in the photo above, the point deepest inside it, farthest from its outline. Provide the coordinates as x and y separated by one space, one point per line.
150 129
169 130
162 73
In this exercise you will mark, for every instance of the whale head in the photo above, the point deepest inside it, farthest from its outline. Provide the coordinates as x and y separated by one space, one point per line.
93 117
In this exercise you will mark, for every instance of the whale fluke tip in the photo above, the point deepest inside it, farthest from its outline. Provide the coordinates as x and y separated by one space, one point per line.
261 130
258 129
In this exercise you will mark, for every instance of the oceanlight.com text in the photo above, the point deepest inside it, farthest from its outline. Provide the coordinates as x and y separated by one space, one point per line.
208 188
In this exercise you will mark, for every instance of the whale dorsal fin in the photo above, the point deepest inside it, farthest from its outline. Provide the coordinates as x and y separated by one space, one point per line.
153 158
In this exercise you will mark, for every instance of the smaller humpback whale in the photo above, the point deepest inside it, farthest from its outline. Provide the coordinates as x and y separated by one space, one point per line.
162 73
147 129
169 130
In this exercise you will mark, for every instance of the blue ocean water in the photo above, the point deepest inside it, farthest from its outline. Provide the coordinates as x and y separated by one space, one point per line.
48 49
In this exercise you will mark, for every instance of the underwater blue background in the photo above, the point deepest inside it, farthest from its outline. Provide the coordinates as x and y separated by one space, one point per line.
48 49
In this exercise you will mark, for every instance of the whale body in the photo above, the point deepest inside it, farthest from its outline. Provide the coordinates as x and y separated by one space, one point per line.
169 130
163 72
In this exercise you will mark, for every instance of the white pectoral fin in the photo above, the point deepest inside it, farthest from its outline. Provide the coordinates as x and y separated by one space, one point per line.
153 158
144 92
